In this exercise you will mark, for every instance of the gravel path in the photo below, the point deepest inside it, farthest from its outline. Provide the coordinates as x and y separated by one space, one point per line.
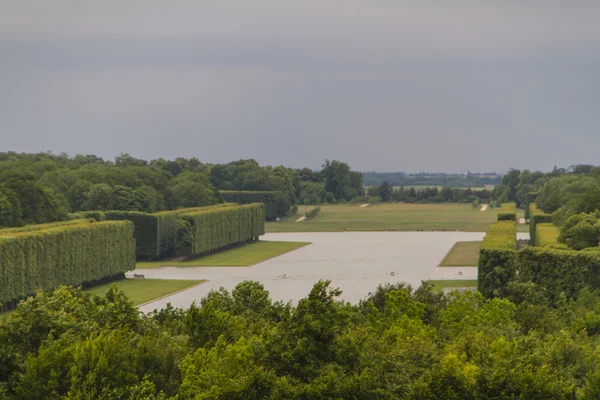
355 261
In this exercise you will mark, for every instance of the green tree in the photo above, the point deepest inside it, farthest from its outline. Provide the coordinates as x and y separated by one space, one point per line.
385 191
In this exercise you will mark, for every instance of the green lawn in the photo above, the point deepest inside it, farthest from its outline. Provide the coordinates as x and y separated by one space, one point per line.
391 216
454 283
462 254
144 290
240 256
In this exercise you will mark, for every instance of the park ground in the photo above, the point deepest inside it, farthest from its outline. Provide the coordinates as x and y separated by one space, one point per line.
391 217
462 254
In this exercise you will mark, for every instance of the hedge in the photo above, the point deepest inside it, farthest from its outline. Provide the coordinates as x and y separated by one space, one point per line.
75 254
276 204
536 216
155 234
312 213
546 234
507 212
95 215
217 228
559 271
39 227
496 267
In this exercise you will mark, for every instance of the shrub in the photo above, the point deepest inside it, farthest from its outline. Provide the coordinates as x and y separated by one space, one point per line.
546 234
536 216
312 213
580 231
217 228
496 267
508 212
276 204
66 254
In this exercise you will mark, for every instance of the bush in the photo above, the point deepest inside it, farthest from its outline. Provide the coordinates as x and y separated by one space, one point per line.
277 204
312 213
73 253
580 231
546 235
536 216
559 270
496 267
508 212
293 211
217 228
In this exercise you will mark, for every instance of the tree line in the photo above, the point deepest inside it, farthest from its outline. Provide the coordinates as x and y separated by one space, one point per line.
46 187
398 343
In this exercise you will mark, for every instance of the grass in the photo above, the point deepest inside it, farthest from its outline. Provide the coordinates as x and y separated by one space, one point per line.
391 216
240 256
462 254
144 290
454 283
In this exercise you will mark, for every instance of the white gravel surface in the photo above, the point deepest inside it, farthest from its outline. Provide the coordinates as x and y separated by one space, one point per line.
354 261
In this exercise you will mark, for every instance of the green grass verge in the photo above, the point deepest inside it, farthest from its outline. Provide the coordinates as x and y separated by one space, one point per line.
454 283
138 290
144 290
392 217
240 256
462 254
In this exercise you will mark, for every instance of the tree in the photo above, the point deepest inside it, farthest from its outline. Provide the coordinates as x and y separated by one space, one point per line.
99 197
385 191
11 213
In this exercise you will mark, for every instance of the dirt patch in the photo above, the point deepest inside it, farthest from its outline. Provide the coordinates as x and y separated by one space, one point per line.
484 207
364 205
302 218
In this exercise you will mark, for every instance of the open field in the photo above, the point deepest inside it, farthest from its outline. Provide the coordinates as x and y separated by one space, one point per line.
462 254
393 217
141 291
454 283
239 256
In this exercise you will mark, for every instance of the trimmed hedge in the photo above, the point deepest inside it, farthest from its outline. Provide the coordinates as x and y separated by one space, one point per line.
496 267
546 234
217 228
95 215
559 270
507 212
277 204
155 234
536 216
39 227
67 254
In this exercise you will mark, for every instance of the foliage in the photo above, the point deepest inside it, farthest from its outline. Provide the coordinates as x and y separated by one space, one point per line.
508 212
580 231
277 204
220 227
496 267
72 253
546 234
536 216
98 216
312 212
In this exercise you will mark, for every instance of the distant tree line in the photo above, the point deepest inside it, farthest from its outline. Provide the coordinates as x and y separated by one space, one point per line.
46 187
432 179
428 194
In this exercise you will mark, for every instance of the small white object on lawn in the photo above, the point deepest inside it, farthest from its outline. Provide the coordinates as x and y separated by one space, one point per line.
302 218
364 205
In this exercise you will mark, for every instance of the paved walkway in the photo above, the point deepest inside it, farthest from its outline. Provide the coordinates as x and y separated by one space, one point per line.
357 262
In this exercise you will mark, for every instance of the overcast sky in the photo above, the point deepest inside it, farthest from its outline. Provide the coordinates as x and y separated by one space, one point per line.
385 85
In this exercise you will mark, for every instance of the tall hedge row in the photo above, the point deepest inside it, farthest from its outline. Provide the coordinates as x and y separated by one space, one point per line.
536 216
69 254
496 267
559 270
507 212
155 234
546 234
276 204
216 228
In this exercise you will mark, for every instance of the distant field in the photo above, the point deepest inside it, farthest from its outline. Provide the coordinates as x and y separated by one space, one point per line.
462 254
239 256
391 216
144 290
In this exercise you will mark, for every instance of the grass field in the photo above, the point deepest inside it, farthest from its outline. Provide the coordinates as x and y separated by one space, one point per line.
462 254
239 256
451 283
391 216
144 290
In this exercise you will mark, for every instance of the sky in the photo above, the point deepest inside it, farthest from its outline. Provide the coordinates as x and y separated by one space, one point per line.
384 85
